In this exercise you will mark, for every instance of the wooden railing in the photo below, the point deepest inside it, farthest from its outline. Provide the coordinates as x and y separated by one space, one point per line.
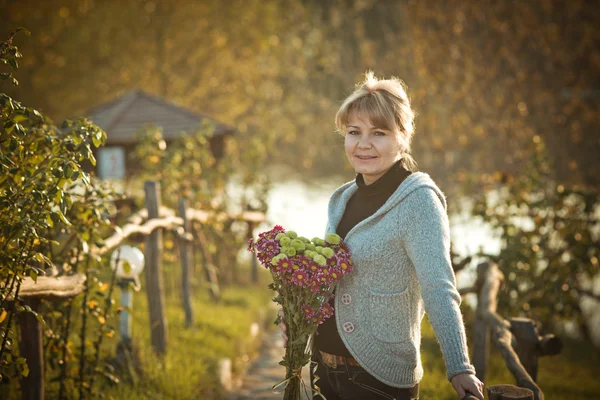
517 339
149 223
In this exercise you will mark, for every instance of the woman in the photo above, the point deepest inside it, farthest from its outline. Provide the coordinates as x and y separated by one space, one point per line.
395 223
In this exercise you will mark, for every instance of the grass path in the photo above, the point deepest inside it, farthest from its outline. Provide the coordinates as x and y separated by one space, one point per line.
265 372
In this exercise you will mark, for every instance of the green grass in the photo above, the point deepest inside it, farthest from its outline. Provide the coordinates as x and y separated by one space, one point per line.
571 375
189 370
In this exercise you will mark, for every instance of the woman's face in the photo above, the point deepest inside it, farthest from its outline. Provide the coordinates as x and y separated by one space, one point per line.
371 151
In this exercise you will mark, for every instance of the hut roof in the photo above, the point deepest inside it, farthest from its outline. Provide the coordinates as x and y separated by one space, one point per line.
122 117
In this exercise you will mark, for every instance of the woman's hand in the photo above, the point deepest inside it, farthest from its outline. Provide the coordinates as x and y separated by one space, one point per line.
466 382
282 327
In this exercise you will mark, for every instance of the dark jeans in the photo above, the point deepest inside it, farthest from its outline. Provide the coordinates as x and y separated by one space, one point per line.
354 383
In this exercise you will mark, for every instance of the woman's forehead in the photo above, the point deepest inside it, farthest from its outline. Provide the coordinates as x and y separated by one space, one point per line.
368 120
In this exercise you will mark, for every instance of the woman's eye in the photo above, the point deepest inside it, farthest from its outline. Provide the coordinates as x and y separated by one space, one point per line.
353 133
379 133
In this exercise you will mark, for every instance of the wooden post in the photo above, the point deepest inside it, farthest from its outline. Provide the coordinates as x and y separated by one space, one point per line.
210 271
52 289
530 345
481 331
509 392
254 265
527 343
154 284
32 386
184 247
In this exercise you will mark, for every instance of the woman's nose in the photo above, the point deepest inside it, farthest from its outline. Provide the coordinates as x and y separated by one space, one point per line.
364 142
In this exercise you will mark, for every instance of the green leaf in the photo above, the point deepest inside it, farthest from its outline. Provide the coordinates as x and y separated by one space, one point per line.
33 275
58 196
68 171
62 217
49 220
13 63
92 159
19 128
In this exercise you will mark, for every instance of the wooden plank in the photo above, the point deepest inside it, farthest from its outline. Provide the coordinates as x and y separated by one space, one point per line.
184 247
52 288
169 222
200 215
154 284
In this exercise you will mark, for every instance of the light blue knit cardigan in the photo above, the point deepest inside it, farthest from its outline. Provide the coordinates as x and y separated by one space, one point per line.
402 270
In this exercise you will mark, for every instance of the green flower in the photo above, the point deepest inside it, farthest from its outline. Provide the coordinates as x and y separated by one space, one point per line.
289 251
319 259
279 236
277 258
310 246
298 244
310 253
333 238
285 241
305 240
291 234
327 252
318 241
319 249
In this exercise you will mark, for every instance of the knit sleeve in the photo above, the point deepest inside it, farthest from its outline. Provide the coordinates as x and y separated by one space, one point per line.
427 242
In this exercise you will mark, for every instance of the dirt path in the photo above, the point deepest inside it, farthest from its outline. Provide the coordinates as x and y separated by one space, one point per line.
265 372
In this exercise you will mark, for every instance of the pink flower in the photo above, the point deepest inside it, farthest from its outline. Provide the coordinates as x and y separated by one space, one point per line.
285 265
314 284
313 267
335 274
270 235
326 310
300 278
343 248
266 250
345 265
308 311
303 262
322 279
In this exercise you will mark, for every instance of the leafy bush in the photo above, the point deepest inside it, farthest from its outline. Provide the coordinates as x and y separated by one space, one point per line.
550 236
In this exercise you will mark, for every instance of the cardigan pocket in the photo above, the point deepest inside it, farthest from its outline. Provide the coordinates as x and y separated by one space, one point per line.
389 316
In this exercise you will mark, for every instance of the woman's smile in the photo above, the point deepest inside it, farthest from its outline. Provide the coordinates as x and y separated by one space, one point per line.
366 158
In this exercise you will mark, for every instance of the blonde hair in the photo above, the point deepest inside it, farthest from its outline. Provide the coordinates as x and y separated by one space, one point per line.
387 104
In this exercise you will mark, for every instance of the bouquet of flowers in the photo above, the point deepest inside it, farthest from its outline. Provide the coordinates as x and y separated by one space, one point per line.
304 272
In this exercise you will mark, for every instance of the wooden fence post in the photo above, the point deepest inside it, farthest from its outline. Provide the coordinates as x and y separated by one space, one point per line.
481 331
489 279
254 265
30 344
530 345
32 386
154 285
184 246
210 271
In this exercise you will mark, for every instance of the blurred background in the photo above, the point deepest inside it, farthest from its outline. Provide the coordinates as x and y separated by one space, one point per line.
231 105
